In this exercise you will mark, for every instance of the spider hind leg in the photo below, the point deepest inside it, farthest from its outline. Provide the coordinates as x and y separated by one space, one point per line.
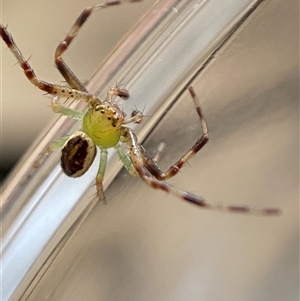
200 143
137 158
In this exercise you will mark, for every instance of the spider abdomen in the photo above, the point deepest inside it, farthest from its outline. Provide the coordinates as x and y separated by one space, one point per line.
78 154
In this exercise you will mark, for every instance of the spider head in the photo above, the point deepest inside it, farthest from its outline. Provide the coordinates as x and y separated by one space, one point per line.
103 124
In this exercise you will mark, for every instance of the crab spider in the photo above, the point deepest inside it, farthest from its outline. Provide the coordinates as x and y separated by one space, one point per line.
104 126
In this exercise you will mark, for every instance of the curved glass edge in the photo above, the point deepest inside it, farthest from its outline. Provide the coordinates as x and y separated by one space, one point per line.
36 216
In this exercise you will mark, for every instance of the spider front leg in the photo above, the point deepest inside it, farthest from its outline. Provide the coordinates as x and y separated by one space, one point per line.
136 157
174 169
56 90
63 68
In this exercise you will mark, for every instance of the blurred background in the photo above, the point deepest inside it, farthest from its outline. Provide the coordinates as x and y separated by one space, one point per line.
148 245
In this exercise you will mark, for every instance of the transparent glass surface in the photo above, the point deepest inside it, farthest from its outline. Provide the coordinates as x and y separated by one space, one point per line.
59 243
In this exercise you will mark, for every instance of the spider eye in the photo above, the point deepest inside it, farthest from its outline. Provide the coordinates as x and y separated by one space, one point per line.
77 154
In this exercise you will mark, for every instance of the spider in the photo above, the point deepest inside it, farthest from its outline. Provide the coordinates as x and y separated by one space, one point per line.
104 126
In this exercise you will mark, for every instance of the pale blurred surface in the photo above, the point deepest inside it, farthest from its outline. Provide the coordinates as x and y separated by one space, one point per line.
147 245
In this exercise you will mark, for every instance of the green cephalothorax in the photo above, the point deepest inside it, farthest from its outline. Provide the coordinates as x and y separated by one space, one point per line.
103 124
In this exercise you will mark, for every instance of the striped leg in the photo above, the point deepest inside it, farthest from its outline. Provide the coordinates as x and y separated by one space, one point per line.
136 158
174 169
56 90
66 72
